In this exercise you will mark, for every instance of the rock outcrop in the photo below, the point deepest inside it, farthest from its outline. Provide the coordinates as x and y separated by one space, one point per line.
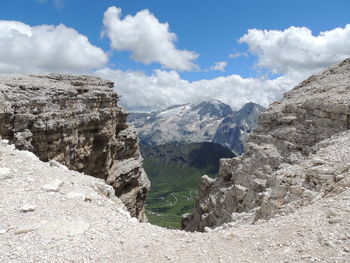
75 120
297 153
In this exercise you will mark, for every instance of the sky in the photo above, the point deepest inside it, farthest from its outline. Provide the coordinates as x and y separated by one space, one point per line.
161 52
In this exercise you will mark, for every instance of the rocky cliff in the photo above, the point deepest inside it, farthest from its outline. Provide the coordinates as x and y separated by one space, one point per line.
75 120
297 154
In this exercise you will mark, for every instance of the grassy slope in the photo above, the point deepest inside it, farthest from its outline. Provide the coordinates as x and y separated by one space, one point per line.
174 171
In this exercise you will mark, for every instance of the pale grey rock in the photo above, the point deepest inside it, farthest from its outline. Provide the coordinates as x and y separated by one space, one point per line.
5 173
53 186
63 227
74 121
297 153
25 229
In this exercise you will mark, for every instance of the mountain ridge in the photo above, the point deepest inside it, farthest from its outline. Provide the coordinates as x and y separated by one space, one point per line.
208 121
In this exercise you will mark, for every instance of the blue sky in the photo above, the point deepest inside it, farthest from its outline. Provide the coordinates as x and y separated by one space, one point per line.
217 53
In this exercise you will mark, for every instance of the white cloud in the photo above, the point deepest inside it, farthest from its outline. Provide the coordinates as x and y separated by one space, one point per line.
293 53
296 50
220 66
147 39
46 49
237 55
166 88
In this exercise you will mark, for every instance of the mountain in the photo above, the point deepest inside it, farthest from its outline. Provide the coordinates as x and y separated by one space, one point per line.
174 171
234 128
209 121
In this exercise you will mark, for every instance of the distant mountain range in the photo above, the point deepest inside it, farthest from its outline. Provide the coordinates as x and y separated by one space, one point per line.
210 121
184 142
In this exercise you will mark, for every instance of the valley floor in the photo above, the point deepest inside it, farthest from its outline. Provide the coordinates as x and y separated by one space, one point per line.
50 214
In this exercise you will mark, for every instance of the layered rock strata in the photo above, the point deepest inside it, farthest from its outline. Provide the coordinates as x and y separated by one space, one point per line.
75 120
283 166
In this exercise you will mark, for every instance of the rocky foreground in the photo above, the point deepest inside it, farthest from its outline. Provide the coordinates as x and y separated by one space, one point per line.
51 214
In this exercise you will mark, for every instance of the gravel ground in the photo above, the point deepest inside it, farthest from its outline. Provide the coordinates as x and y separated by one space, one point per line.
51 214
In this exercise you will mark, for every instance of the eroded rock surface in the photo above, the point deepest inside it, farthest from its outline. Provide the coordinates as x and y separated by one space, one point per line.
290 159
75 120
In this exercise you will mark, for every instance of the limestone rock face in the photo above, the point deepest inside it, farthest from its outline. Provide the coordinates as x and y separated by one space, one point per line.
288 160
75 120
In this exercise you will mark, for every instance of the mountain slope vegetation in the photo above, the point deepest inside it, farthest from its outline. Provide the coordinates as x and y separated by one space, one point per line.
174 171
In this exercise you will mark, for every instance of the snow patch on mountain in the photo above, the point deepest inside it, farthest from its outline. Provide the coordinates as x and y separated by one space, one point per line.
208 121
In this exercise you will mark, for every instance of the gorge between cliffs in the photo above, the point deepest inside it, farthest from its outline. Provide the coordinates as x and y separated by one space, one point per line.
73 188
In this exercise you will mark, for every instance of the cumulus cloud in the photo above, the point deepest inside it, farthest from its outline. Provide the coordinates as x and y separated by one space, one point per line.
46 48
147 39
166 88
220 66
294 54
297 50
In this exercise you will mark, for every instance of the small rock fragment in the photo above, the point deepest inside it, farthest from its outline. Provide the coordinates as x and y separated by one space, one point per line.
28 208
5 173
334 220
2 230
54 186
25 229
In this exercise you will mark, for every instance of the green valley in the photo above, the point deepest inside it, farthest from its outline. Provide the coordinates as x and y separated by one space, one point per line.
174 171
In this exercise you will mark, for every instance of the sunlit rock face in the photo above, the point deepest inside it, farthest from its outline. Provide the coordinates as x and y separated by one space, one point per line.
76 121
289 160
